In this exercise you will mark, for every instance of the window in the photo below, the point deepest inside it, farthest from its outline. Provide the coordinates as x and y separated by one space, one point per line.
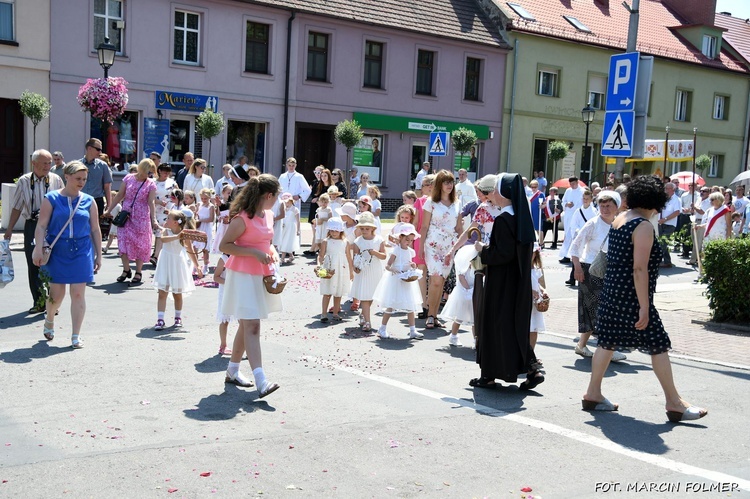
256 47
425 71
547 84
473 79
525 15
577 24
106 14
682 105
317 56
120 139
186 37
367 156
709 46
6 22
246 138
597 91
373 65
721 105
717 162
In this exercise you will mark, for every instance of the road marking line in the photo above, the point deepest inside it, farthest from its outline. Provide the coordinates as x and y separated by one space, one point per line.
662 462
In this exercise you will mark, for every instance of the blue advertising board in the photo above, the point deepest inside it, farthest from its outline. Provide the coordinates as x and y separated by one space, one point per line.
194 103
156 138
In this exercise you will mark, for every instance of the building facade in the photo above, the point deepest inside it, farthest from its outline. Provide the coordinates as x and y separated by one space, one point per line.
560 64
284 74
24 65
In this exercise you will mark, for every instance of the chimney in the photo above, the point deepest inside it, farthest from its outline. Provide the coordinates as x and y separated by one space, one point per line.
694 11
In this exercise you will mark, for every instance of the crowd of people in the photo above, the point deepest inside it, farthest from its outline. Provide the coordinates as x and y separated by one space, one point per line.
468 254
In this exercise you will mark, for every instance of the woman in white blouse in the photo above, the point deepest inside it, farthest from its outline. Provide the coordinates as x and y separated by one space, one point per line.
591 239
197 178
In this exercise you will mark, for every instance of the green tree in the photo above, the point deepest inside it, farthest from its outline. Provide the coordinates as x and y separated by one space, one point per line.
557 150
209 124
348 133
35 107
702 162
463 140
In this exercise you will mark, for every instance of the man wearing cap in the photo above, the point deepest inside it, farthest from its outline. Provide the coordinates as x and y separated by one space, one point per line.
99 182
30 190
294 183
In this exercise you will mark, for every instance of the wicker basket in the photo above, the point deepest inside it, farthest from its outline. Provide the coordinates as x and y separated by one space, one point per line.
410 278
194 236
269 281
327 275
542 304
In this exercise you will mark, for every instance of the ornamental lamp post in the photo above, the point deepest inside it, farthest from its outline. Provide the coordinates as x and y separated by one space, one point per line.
106 52
587 113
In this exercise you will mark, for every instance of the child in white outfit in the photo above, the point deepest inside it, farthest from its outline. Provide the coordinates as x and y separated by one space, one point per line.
369 253
459 307
173 268
289 243
398 290
334 257
220 276
322 214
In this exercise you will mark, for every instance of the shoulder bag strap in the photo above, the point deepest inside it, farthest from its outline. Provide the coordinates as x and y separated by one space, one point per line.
70 218
136 195
580 210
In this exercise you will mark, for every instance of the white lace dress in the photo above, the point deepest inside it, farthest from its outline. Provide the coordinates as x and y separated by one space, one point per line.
173 269
537 317
335 260
365 282
395 293
459 307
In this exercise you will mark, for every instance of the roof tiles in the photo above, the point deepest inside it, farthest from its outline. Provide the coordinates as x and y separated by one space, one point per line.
457 19
609 28
737 34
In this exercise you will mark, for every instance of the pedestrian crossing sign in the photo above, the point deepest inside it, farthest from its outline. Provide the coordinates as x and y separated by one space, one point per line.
617 136
439 143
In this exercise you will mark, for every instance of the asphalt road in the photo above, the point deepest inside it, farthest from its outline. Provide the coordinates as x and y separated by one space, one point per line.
141 413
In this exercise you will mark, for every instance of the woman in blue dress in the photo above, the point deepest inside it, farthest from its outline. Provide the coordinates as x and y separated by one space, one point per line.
76 254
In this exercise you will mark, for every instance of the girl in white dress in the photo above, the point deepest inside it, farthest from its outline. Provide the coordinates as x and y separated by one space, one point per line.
222 218
376 207
173 268
220 276
335 196
322 214
348 213
459 307
206 215
334 257
289 243
369 253
537 291
394 293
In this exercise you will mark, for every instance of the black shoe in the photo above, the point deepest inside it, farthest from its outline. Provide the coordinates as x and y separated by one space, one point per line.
554 246
565 260
310 252
36 310
422 314
570 282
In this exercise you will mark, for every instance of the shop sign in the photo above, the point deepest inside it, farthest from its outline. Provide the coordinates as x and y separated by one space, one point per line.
416 125
156 137
194 103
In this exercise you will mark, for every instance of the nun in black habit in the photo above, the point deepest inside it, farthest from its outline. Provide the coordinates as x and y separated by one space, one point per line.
503 350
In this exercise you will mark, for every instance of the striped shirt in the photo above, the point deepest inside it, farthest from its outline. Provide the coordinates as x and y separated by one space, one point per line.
24 201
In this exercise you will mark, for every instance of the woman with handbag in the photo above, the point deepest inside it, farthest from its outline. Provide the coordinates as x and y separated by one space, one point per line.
252 256
69 223
590 242
137 193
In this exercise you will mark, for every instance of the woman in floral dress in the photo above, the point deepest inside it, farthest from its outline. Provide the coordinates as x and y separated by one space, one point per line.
441 225
137 195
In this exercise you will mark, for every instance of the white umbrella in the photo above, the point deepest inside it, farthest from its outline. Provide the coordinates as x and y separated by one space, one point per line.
741 179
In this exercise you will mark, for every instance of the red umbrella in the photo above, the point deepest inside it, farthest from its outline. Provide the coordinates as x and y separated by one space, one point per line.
564 184
686 178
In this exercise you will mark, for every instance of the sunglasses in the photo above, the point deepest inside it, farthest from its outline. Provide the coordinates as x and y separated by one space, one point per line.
96 148
334 174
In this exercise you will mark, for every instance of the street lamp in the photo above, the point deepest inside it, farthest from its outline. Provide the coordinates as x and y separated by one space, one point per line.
587 113
106 52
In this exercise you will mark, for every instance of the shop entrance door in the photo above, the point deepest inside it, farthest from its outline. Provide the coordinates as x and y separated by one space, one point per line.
181 140
315 146
418 156
11 145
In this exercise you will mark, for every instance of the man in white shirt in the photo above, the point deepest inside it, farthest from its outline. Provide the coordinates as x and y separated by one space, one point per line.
571 201
541 181
668 222
294 183
224 180
465 189
699 208
420 176
688 200
740 201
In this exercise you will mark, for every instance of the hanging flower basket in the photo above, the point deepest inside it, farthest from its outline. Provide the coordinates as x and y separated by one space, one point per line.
105 99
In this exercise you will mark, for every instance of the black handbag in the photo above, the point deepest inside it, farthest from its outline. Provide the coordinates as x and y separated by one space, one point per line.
122 218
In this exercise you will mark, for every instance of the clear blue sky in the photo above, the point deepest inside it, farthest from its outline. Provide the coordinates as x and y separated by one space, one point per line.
738 8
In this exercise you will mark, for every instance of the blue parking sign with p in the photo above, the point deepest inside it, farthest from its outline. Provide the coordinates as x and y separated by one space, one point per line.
623 76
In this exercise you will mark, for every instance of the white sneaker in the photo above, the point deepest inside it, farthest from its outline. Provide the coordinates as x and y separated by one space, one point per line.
415 335
205 270
383 333
584 352
618 357
454 341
